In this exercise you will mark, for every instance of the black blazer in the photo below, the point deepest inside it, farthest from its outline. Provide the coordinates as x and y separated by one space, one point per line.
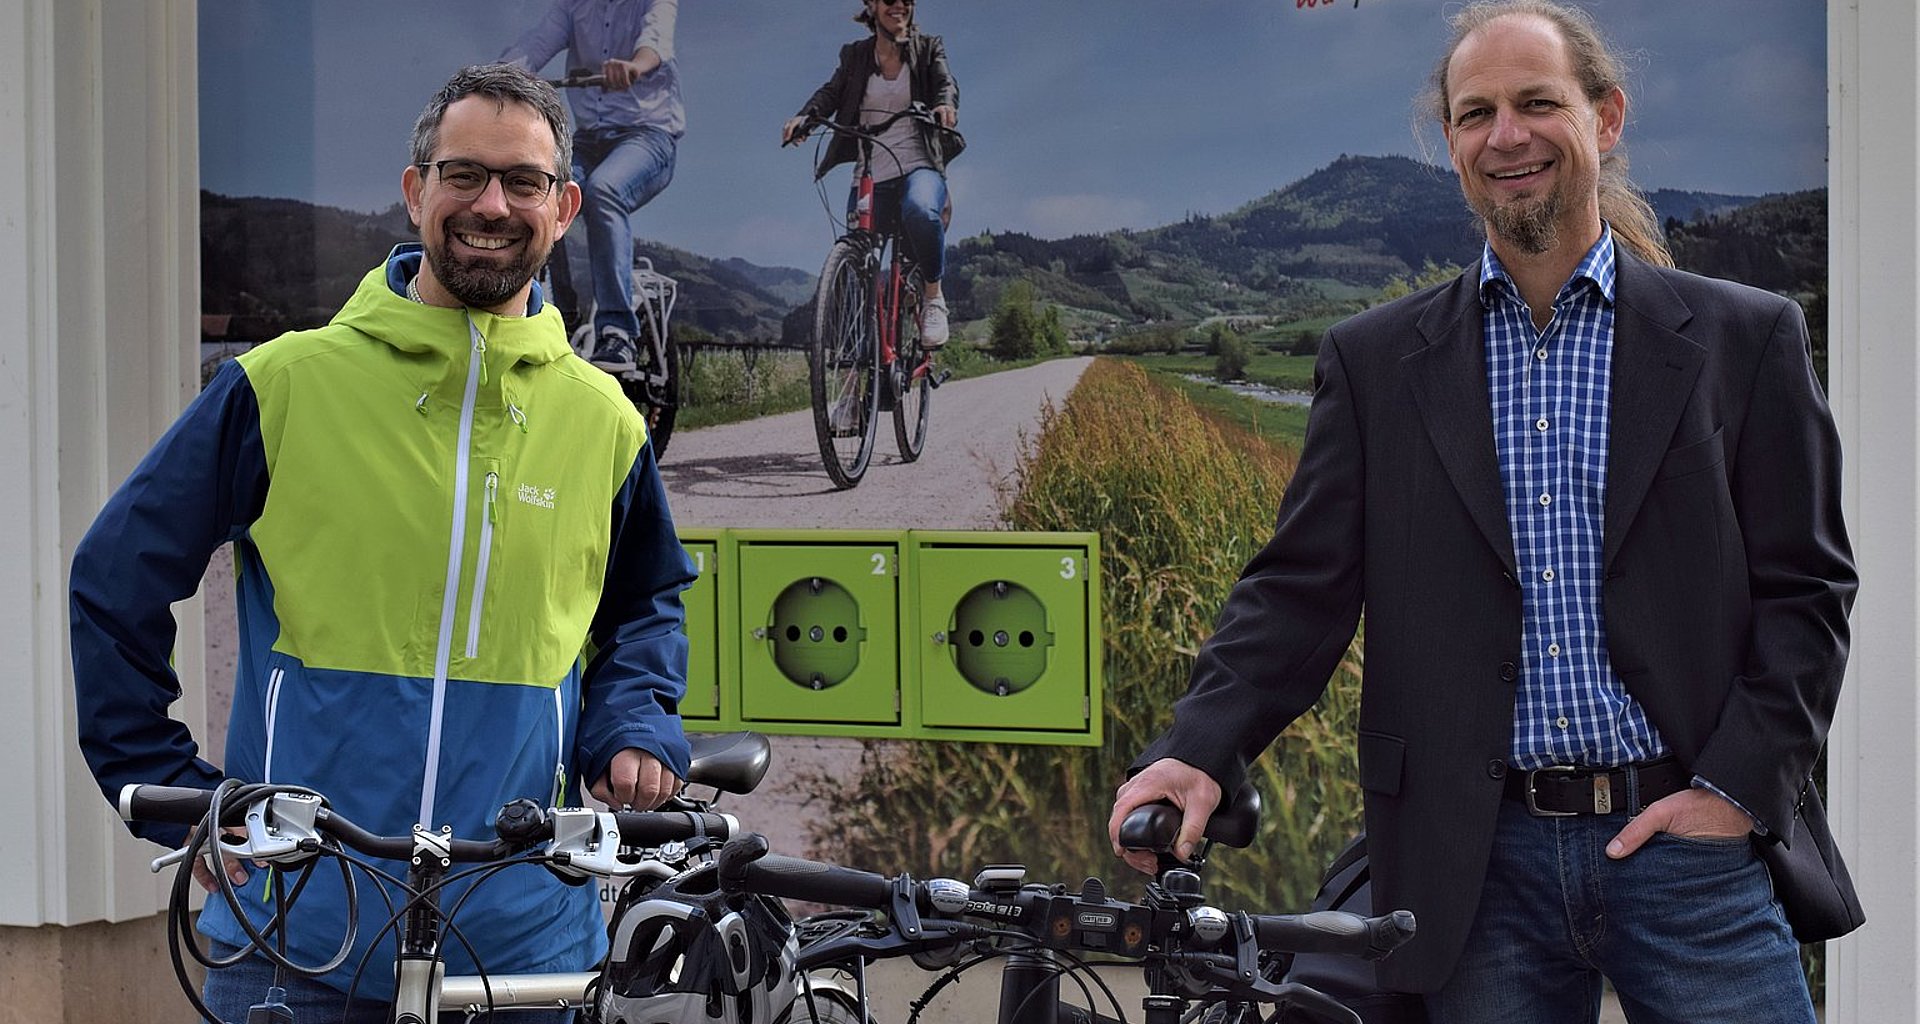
929 82
1728 578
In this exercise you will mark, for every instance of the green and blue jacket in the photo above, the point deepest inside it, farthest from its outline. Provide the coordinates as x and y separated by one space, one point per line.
432 511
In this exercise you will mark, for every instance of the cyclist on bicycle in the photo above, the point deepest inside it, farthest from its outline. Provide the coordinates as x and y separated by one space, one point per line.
626 135
879 76
432 504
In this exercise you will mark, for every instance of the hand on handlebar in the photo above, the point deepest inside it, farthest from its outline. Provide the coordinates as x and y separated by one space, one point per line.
1193 791
621 74
236 867
636 780
794 130
946 115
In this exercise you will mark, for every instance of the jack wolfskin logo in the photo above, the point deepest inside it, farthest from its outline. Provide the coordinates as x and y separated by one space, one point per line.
540 497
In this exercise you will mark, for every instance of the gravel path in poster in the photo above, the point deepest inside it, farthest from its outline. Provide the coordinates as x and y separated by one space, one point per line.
766 472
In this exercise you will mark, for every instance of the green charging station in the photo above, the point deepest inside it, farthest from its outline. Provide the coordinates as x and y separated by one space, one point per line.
1003 624
901 634
818 635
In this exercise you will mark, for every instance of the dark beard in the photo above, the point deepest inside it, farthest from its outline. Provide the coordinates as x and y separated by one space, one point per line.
481 284
1531 226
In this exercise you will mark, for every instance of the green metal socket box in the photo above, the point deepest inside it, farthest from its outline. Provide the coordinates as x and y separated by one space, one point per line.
1005 629
902 634
818 635
702 601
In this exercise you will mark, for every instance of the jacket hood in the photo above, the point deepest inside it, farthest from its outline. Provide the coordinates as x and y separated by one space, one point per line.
381 310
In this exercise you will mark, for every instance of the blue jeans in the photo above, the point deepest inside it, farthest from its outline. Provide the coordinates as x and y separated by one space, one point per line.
912 204
619 171
1686 929
230 991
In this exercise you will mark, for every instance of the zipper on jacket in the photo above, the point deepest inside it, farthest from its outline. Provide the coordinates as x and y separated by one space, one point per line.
274 679
443 651
487 517
559 746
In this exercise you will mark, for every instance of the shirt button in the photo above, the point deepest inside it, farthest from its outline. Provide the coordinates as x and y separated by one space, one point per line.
1540 353
1545 500
1561 721
1540 424
1553 650
1546 575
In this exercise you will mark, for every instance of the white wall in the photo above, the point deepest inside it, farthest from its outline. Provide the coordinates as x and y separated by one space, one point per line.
1874 381
99 245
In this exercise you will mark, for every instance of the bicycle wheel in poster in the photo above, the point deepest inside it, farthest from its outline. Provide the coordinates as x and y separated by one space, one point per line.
843 368
912 394
659 403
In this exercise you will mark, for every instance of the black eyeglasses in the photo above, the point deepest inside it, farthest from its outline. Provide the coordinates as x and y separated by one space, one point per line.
524 187
895 3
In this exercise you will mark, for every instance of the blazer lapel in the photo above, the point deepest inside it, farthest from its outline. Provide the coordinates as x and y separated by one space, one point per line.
1654 370
1448 378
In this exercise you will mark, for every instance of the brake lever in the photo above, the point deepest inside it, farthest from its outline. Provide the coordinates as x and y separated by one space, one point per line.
1291 997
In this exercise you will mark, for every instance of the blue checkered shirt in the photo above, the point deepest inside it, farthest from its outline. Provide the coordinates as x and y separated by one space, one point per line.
1549 392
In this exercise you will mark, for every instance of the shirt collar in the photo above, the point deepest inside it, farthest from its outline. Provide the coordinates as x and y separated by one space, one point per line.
1596 267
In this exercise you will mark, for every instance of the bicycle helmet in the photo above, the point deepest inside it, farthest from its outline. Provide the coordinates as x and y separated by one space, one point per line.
681 952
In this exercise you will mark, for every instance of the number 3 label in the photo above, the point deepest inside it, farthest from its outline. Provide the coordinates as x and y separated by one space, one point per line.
1069 568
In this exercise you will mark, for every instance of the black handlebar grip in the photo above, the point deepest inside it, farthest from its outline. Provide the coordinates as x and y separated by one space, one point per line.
1334 931
651 828
173 805
814 882
738 855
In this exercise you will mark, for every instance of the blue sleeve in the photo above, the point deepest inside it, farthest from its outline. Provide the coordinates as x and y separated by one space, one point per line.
639 670
546 38
202 484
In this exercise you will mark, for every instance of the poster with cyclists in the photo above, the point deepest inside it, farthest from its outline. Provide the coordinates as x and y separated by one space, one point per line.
1122 226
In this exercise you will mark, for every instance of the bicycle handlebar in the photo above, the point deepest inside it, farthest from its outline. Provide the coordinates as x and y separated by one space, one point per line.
1087 920
1334 931
816 882
284 824
578 78
871 133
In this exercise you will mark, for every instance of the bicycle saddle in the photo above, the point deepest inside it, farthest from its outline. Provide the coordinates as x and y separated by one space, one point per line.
731 762
1154 826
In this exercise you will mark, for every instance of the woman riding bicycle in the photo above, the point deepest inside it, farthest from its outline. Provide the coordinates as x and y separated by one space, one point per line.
879 76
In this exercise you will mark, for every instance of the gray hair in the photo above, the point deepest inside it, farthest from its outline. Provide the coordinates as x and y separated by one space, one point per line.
502 83
1599 72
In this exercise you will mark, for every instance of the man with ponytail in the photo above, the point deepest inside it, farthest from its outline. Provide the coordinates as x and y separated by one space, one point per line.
1590 508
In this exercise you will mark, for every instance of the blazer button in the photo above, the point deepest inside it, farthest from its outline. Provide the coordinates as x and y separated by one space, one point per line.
1508 672
1496 769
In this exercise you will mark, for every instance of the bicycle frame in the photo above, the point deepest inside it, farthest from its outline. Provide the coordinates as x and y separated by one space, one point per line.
886 293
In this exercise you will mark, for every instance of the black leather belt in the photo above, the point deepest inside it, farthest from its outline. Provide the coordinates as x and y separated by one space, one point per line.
1563 790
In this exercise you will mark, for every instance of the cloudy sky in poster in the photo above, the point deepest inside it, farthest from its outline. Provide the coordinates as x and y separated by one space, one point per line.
1081 115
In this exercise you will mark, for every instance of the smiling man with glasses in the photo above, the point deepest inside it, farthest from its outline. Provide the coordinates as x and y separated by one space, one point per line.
410 622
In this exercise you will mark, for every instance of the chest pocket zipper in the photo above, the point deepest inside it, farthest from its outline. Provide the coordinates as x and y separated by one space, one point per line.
474 608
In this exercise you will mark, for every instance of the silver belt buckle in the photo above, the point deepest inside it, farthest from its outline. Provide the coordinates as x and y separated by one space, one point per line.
1533 807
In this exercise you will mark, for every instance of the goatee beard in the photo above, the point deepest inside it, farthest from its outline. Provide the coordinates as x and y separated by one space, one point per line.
480 283
1529 225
